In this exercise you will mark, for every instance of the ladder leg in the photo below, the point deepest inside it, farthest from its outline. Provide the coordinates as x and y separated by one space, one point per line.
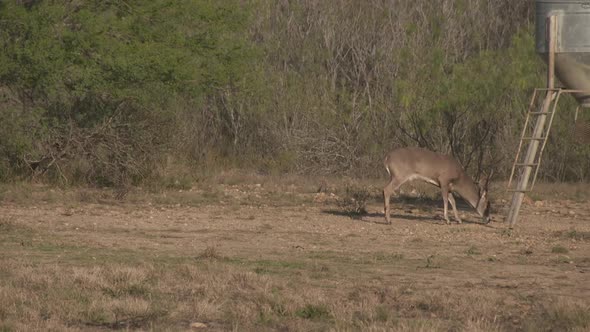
545 137
522 135
530 157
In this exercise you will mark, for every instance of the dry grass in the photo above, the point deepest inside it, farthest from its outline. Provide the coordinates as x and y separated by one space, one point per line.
224 296
271 259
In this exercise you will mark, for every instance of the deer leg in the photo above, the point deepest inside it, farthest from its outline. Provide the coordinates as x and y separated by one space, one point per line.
389 189
454 206
445 196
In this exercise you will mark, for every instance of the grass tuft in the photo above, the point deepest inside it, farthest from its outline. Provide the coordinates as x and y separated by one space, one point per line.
313 312
559 250
354 201
381 313
210 253
473 250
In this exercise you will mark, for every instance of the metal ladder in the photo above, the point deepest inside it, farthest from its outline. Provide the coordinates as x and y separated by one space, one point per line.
533 136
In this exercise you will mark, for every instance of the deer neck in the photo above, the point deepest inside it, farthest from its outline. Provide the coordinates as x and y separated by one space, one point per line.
468 190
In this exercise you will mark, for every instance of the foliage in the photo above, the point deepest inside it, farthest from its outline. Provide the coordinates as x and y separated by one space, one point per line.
118 93
18 131
106 75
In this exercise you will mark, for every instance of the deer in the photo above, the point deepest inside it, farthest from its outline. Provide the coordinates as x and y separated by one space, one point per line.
443 171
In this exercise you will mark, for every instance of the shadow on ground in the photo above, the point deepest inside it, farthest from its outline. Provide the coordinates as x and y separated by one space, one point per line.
423 209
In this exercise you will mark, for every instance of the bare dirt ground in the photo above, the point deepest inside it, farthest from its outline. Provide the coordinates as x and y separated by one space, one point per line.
262 257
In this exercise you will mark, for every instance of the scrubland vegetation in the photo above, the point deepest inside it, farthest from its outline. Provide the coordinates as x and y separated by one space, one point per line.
118 94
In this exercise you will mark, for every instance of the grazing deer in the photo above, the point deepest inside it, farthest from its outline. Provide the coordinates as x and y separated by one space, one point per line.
441 170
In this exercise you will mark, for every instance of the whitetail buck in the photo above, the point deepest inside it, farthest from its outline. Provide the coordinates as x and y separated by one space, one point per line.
441 170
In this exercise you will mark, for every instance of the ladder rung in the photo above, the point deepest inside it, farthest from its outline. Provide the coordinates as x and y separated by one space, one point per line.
533 138
519 190
539 113
525 164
